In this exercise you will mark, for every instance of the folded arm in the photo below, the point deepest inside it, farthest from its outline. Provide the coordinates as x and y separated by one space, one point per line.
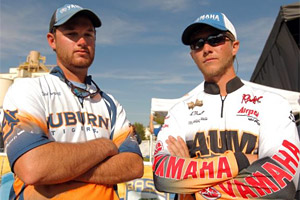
177 173
56 162
119 168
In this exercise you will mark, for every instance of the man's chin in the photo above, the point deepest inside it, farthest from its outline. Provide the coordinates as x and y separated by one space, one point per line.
83 64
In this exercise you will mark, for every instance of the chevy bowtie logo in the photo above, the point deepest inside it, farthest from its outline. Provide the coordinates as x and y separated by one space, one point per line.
198 102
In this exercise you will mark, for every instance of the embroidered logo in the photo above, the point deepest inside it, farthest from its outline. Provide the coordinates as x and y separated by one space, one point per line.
247 98
198 102
158 147
210 193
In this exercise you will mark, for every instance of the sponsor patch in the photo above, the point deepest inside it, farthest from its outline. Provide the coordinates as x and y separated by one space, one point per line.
198 102
247 98
158 147
210 193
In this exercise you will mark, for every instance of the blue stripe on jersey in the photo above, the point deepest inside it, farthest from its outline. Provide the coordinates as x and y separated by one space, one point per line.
112 110
130 145
20 144
21 197
12 194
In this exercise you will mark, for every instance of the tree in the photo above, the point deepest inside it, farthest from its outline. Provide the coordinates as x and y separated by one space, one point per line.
140 130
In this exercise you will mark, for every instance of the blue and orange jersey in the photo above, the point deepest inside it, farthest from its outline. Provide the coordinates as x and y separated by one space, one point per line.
38 111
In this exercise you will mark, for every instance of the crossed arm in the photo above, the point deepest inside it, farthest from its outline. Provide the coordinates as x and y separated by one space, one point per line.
96 161
177 147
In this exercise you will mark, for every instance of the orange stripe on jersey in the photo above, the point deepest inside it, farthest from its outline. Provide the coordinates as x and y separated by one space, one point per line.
72 190
120 136
23 121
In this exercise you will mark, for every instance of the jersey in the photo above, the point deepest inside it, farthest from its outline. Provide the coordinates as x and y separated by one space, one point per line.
41 110
218 132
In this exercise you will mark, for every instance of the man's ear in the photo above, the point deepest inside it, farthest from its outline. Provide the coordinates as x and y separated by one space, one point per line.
235 47
191 54
51 41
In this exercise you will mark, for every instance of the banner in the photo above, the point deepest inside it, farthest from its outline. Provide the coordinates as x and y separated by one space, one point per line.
143 188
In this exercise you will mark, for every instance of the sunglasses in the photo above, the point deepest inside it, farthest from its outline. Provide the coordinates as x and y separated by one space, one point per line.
212 40
80 92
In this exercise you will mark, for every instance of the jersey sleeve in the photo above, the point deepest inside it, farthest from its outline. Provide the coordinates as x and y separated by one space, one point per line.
123 135
279 142
279 150
275 175
188 175
24 123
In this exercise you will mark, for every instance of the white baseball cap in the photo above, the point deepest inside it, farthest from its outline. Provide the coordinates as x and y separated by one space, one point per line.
217 20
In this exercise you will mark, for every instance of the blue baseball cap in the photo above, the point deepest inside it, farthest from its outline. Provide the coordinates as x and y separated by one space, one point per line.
63 14
215 20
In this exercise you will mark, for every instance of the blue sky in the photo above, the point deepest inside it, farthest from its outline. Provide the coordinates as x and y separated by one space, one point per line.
139 54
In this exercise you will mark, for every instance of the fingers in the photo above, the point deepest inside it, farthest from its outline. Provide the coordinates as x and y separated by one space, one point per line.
177 147
252 158
185 150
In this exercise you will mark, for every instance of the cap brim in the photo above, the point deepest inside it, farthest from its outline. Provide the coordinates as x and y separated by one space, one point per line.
191 29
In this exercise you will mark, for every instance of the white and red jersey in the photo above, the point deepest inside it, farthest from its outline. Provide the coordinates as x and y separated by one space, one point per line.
44 109
219 131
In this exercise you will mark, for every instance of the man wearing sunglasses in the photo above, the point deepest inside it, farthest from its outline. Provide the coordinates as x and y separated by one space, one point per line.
226 140
64 137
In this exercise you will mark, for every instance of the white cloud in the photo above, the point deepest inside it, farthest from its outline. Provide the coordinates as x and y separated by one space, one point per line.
184 59
21 31
150 77
255 33
173 5
116 30
253 37
170 5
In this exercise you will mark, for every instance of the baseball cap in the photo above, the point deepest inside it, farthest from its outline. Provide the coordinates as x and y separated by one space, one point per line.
216 20
63 14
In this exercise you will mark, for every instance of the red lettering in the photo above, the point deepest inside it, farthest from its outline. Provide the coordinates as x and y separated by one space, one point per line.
248 111
165 126
160 169
293 148
242 110
244 190
207 167
229 189
174 167
191 170
277 173
224 168
286 161
156 159
259 182
247 98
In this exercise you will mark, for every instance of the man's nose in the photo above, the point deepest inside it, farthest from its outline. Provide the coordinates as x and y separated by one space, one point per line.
82 41
206 48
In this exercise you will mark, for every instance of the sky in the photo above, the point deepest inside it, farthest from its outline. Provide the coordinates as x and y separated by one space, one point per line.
139 53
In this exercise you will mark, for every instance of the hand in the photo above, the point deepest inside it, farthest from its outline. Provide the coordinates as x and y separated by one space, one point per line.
251 158
177 147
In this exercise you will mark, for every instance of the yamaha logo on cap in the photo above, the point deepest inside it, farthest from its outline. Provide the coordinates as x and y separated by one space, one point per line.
216 20
69 7
215 17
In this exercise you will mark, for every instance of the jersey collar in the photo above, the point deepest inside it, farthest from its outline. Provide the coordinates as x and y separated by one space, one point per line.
80 92
231 86
57 71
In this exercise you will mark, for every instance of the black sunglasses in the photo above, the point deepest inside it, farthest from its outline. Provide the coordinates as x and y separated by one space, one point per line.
80 92
212 40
